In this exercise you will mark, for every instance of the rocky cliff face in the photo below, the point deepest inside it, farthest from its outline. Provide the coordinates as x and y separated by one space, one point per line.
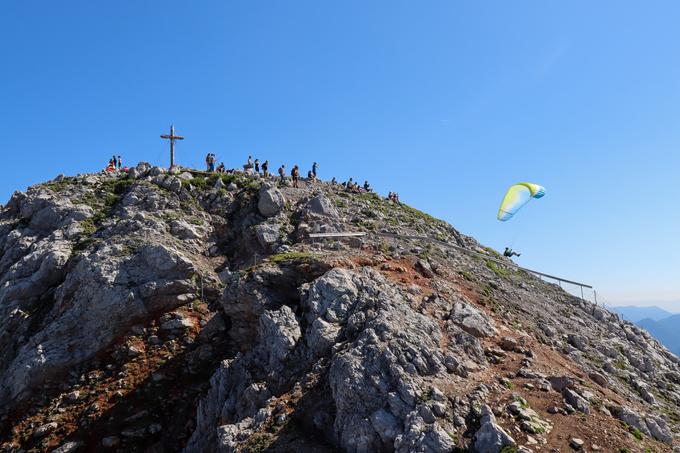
185 312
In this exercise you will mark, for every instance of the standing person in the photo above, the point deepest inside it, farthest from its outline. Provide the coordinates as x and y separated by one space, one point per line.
120 163
207 162
265 168
257 165
295 173
314 167
282 173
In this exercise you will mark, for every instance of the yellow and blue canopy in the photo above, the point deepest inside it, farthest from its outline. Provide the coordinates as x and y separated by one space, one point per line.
517 196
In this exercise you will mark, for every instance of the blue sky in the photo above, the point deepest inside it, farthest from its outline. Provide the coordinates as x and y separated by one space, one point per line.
447 103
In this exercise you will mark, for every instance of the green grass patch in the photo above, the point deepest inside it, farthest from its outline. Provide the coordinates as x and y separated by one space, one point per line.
258 442
486 290
467 275
89 227
492 252
60 186
620 364
116 186
199 182
111 199
498 269
290 256
636 433
509 449
369 196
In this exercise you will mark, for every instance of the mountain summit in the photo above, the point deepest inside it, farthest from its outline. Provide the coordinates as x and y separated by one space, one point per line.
153 312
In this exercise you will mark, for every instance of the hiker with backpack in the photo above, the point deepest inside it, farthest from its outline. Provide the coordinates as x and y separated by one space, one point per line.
282 173
265 168
295 174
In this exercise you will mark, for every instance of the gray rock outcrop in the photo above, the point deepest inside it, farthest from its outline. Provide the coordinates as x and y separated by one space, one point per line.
271 201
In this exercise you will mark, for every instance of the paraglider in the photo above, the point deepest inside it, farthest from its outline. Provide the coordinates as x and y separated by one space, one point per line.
509 253
516 197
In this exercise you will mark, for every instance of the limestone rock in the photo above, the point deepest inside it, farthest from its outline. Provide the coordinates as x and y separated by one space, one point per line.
320 206
491 438
271 201
472 320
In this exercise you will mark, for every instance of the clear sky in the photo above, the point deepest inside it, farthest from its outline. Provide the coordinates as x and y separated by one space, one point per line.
445 102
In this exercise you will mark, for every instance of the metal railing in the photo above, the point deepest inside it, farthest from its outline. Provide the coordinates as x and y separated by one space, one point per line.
455 247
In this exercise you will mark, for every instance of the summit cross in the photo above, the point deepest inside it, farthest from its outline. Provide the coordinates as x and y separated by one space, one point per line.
172 137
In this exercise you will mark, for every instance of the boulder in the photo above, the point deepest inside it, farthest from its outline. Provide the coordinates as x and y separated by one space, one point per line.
576 443
490 438
423 267
599 379
633 419
320 205
576 401
68 447
268 234
559 383
172 183
44 430
472 320
508 344
580 342
659 429
271 201
157 171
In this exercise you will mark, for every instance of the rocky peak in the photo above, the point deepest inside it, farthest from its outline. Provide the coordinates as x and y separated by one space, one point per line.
157 311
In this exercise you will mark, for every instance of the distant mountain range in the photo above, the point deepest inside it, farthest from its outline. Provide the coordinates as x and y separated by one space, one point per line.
666 330
634 313
662 324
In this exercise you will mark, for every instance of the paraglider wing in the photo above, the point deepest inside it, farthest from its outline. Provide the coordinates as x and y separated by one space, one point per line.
517 196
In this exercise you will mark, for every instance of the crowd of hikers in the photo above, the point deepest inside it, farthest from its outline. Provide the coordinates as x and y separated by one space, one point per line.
262 168
255 166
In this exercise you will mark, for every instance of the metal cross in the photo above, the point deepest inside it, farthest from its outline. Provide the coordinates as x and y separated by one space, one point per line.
172 137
